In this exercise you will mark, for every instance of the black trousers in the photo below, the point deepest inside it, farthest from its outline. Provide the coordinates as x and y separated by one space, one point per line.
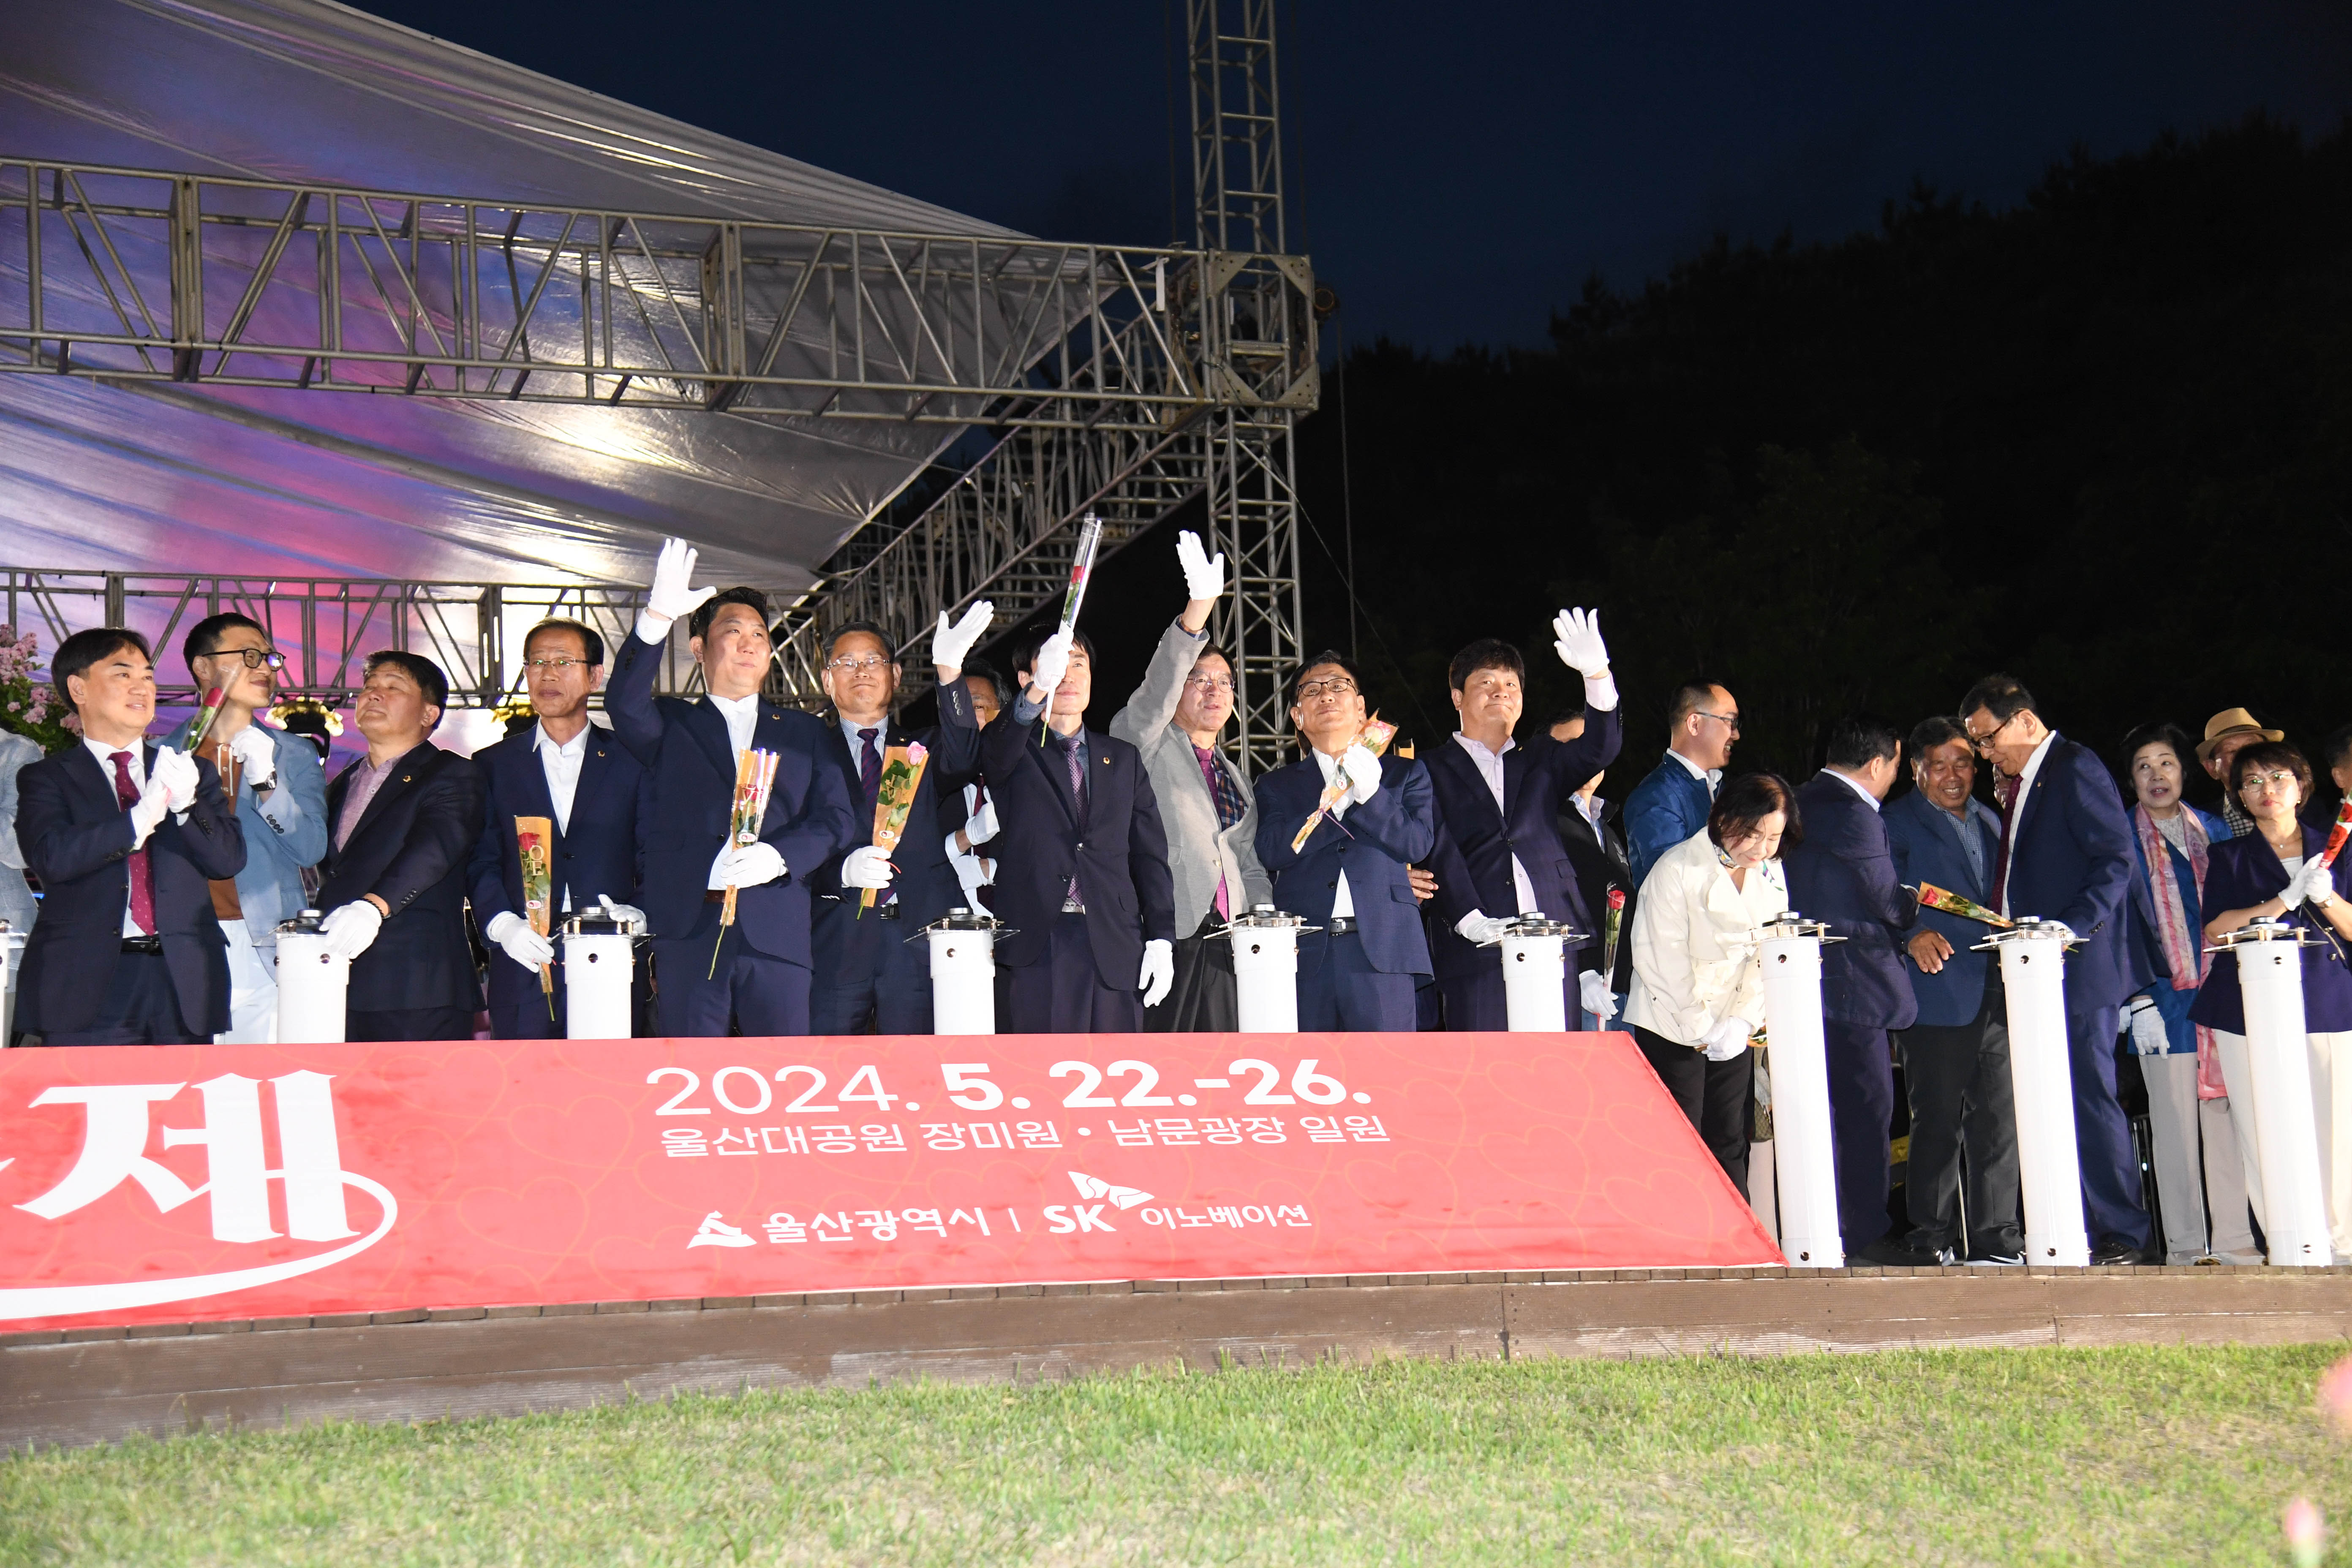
882 979
1205 999
1715 1096
1958 1079
410 1023
1061 994
142 1009
707 995
1861 1105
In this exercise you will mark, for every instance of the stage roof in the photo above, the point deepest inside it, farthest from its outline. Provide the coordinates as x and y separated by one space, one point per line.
256 481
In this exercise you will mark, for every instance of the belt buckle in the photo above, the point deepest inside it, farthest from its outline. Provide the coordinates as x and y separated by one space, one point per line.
1072 907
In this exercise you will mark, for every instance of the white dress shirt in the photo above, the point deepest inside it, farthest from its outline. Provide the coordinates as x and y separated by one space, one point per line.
1711 777
743 716
561 762
1490 768
2017 813
1343 902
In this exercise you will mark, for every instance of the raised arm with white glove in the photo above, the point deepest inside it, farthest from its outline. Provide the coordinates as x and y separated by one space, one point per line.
1576 638
257 756
1204 575
1159 971
1052 663
673 596
951 645
1727 1038
510 931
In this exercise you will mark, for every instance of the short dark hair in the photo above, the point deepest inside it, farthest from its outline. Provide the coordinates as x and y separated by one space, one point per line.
1936 730
1749 799
1025 652
2002 696
205 637
698 622
1486 653
2270 754
1565 716
1210 647
1691 697
421 670
1329 656
591 641
2338 746
978 668
78 652
1862 740
2161 733
846 628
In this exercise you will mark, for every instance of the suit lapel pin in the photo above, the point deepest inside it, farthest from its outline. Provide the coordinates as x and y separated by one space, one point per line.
403 778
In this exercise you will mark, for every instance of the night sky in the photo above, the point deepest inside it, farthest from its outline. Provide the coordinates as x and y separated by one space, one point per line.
1458 172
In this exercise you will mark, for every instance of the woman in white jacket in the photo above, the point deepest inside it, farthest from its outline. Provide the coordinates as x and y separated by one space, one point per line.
1697 993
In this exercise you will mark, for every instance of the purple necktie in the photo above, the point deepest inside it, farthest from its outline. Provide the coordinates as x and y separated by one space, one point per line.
142 887
870 765
1079 797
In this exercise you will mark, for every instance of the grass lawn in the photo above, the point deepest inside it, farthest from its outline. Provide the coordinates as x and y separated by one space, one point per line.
2116 1456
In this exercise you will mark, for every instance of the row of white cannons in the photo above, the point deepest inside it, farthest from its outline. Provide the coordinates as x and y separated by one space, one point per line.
599 957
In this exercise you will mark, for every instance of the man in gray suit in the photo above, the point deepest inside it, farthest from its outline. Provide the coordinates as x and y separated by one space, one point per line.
1204 800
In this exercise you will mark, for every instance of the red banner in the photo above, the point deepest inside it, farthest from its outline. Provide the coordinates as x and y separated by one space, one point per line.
181 1183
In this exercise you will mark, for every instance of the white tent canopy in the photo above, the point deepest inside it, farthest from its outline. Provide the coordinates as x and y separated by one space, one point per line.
259 481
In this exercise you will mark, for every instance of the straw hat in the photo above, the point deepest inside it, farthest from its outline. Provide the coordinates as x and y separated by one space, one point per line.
2231 721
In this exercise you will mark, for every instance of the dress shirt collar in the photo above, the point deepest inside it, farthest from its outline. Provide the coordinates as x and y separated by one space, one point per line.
1856 785
1589 807
1478 750
571 749
1708 777
881 727
2032 767
735 707
105 755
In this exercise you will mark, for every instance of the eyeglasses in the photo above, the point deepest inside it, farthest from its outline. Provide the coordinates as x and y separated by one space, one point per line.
2277 778
1338 686
1984 742
858 666
558 663
255 657
1210 682
1729 722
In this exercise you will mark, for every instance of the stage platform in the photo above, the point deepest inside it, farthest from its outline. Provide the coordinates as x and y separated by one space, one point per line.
76 1386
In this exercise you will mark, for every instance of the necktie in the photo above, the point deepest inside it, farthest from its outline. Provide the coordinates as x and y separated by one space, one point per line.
870 765
2006 792
143 888
1070 753
1226 816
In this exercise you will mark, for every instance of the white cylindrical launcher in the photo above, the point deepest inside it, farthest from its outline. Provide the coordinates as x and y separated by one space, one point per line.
1533 952
1804 1160
2041 1083
2286 1134
1266 969
963 971
599 966
12 953
312 985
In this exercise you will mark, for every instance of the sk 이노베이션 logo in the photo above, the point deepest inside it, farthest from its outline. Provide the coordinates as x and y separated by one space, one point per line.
115 1132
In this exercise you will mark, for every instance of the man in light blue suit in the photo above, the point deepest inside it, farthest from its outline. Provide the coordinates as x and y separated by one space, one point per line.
1956 1057
1671 804
281 804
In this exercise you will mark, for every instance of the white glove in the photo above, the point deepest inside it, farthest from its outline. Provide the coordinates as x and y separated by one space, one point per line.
1363 771
2314 883
2147 1033
951 645
1159 971
1727 1039
1577 640
1204 575
746 867
628 913
256 755
1052 663
154 800
673 596
868 867
1481 929
174 773
349 929
1592 989
525 946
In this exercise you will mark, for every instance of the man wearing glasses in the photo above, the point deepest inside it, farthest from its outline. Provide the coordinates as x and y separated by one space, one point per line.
869 974
280 791
753 974
596 796
1671 804
2066 854
1360 972
1205 802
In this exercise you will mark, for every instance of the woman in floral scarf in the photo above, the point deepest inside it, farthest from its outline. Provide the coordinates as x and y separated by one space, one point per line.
2177 1058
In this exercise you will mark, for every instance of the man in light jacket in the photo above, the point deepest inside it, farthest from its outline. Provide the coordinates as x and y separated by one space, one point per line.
1205 802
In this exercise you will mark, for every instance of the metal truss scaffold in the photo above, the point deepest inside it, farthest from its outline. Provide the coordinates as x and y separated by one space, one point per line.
145 274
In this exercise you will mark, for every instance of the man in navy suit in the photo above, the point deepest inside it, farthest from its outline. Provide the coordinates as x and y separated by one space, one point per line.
1499 853
870 970
2066 855
401 823
1843 873
597 798
1359 971
1670 806
1081 855
755 974
1956 1055
126 838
